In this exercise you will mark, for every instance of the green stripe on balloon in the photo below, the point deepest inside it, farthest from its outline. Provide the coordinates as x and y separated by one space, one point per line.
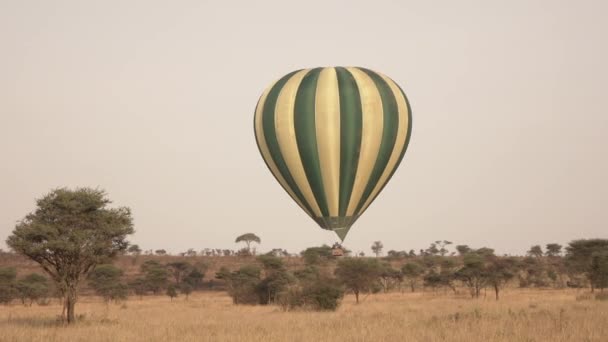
407 140
268 122
306 136
389 133
351 127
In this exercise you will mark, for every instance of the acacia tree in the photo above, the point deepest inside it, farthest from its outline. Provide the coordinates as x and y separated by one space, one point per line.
358 274
599 270
248 238
474 273
536 251
443 244
499 271
106 281
155 275
553 249
69 233
389 277
134 250
580 255
377 247
179 270
463 249
412 271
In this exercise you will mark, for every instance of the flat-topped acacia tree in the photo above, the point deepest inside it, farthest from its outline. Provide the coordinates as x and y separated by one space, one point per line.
69 233
248 238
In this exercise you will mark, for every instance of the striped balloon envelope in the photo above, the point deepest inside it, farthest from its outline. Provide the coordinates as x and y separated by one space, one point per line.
333 138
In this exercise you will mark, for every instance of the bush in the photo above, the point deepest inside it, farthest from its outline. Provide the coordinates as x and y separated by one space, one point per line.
270 287
106 281
242 284
33 287
271 262
322 295
7 284
316 255
171 291
185 289
7 293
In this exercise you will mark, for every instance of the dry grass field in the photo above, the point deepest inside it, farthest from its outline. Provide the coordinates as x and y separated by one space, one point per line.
521 315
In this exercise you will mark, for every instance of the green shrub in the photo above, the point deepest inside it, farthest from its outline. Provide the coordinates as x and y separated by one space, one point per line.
242 284
320 295
324 297
106 281
171 291
33 287
269 288
7 284
7 293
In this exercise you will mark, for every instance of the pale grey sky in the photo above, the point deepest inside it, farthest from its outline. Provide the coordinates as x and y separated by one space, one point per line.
153 101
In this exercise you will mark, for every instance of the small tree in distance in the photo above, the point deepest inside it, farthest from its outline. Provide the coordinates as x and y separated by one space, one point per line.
179 270
412 271
499 272
185 289
105 280
553 249
535 251
377 247
463 249
32 287
171 292
443 244
248 238
134 250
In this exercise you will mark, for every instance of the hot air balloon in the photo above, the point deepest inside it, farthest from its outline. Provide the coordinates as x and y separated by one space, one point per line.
333 137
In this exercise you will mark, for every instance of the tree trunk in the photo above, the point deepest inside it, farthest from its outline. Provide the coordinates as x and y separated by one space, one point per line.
65 305
70 303
412 286
496 290
357 296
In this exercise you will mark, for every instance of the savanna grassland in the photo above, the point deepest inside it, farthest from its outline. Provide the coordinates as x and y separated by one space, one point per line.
520 315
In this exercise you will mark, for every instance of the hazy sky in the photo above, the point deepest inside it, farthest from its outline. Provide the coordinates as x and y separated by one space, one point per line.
153 101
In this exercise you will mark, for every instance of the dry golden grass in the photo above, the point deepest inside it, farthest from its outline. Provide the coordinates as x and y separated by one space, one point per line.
521 315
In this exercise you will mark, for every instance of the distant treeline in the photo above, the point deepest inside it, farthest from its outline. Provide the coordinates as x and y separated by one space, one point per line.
320 278
74 237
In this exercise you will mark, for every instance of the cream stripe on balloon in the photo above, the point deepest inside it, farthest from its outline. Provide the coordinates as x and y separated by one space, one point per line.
286 137
327 122
259 127
371 137
399 142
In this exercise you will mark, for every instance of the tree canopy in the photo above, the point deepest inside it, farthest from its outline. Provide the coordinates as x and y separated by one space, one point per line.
358 274
69 233
248 238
